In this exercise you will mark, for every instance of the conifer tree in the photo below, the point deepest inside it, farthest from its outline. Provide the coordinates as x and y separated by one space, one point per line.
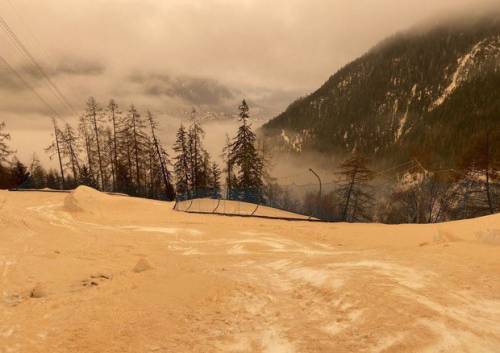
86 178
5 151
355 191
135 125
196 155
19 174
228 168
215 174
38 175
151 179
70 149
205 176
244 157
88 143
93 114
114 117
55 148
181 163
108 158
127 157
162 159
53 179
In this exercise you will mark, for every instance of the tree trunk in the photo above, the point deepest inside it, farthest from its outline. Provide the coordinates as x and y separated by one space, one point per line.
96 131
74 161
162 163
229 181
488 190
56 135
348 196
136 152
115 155
129 161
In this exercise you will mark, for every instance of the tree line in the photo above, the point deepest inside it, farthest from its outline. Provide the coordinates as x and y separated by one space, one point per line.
244 166
416 195
122 152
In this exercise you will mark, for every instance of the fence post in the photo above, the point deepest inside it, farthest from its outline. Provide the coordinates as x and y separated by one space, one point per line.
191 204
218 203
256 208
320 188
176 200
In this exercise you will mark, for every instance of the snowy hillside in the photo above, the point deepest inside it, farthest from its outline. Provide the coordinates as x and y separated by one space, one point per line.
421 91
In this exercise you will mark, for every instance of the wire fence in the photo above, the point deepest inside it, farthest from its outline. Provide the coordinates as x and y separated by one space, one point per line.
241 203
293 201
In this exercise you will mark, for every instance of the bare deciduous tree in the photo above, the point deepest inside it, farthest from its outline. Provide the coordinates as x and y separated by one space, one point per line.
355 191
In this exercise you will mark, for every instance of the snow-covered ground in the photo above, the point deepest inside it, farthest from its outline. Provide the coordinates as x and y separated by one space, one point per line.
88 272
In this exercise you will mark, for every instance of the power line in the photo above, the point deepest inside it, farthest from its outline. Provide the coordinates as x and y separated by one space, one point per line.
26 53
22 48
34 39
29 86
409 164
454 171
291 176
308 185
23 23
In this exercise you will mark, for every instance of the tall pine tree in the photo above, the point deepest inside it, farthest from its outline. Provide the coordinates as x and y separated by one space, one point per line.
246 160
5 151
114 118
137 139
69 149
355 191
93 114
197 156
181 164
162 157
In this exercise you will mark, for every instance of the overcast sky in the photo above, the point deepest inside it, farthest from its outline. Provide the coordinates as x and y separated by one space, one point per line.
169 55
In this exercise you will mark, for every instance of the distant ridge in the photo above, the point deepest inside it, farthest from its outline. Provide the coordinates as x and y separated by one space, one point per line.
421 92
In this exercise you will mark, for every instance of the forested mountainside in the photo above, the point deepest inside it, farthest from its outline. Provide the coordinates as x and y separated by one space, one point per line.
426 93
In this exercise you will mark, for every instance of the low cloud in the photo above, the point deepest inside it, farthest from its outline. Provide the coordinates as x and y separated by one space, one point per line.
10 81
79 68
193 90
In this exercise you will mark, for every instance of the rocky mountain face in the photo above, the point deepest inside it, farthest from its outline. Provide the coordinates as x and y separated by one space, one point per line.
426 92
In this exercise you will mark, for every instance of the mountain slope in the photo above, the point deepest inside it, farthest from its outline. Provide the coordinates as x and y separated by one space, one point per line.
420 92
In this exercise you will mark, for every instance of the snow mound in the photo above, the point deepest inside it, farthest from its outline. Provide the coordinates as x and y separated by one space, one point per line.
85 199
142 266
